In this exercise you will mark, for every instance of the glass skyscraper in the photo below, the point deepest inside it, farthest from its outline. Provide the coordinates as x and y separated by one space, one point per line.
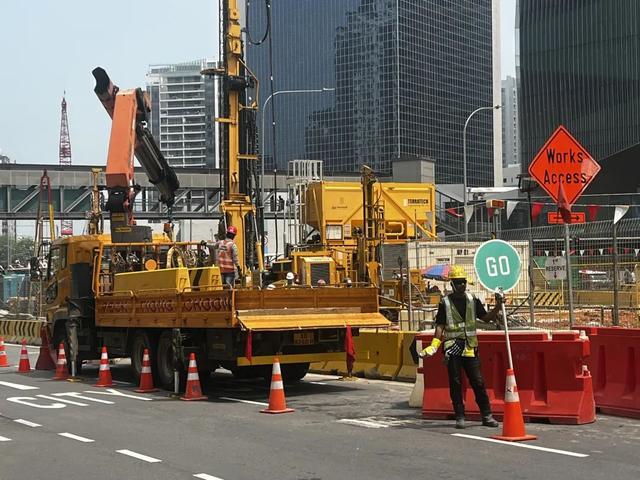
579 67
406 76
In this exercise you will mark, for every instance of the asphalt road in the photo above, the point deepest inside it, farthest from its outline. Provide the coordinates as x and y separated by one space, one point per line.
361 430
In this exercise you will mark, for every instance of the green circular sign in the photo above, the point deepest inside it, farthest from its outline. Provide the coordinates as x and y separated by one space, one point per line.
497 265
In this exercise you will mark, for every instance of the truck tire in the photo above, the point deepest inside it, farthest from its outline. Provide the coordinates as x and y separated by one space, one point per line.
139 342
164 363
60 336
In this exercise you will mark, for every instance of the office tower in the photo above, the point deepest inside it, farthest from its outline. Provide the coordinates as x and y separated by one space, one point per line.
510 140
579 67
182 113
404 75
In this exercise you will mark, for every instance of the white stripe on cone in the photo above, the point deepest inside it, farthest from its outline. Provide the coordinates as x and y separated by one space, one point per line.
104 366
145 357
511 390
192 364
277 385
192 376
146 369
276 368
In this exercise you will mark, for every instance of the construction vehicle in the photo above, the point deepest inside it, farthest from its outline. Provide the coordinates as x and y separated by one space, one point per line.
132 290
359 232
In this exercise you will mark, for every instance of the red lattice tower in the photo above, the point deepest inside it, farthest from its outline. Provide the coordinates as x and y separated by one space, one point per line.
66 227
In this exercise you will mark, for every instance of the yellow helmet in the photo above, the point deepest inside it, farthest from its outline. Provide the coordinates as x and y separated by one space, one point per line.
457 272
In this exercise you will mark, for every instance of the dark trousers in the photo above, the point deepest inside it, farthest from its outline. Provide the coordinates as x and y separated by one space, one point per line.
471 366
229 278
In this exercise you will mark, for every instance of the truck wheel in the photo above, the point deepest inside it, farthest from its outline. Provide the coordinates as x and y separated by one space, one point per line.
60 336
141 341
164 363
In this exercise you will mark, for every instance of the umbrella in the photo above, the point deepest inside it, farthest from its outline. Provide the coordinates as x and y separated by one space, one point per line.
436 272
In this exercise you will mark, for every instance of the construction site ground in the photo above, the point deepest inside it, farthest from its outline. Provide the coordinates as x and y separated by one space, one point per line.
340 429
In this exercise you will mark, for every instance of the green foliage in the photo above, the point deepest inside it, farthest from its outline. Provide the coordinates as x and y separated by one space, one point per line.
21 249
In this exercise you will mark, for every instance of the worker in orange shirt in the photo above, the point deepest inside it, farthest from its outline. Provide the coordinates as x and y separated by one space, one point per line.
228 257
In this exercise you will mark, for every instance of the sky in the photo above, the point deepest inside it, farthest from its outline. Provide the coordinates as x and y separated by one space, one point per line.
48 47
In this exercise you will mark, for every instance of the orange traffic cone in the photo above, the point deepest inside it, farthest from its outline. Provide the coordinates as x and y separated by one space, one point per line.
513 423
146 378
62 372
24 366
4 362
45 359
193 390
104 375
277 402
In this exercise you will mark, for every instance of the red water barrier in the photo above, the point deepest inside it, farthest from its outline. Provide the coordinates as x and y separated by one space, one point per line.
554 383
615 366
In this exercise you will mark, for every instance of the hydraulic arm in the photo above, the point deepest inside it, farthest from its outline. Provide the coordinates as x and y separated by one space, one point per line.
129 110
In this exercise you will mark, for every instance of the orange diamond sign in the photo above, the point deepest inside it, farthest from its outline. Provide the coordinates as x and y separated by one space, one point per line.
563 161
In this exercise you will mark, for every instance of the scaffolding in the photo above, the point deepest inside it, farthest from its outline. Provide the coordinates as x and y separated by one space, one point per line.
299 175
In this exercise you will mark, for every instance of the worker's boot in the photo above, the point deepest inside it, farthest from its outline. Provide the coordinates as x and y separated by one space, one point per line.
489 421
460 423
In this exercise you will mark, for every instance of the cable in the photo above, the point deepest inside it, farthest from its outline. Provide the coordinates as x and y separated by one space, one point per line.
267 5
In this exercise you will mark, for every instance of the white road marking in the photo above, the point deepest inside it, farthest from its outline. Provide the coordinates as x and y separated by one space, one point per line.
139 456
522 445
317 383
5 439
204 476
19 386
76 437
116 393
128 384
81 397
26 401
251 402
63 400
27 422
363 423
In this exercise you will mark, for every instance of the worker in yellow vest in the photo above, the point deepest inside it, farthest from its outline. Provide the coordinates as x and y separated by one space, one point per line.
456 324
228 257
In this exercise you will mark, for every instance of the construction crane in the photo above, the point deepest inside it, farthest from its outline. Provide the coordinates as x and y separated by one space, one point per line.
64 154
129 110
238 141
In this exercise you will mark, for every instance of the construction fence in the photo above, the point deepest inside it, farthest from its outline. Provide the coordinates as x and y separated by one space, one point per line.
601 269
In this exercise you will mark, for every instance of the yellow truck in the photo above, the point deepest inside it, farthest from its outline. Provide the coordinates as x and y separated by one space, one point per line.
167 297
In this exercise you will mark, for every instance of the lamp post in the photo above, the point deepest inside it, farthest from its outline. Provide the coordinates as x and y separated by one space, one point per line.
464 165
262 132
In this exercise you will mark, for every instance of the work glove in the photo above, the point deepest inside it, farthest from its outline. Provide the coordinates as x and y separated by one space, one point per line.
500 299
431 349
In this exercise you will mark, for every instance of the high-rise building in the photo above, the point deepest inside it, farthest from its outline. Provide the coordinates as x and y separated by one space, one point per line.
182 113
510 139
579 67
404 76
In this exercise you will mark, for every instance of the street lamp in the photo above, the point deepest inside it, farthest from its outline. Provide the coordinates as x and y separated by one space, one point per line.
464 165
262 132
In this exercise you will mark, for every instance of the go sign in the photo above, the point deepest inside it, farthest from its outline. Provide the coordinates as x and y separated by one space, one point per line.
497 265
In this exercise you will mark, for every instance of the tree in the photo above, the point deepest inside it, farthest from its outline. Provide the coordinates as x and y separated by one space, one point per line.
21 249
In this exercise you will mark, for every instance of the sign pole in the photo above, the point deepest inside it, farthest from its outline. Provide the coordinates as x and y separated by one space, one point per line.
616 300
532 285
506 328
569 276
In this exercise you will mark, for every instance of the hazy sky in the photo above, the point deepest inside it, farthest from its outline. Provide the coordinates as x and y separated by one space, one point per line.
49 46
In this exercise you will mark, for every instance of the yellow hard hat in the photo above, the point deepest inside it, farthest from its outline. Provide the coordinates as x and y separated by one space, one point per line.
457 272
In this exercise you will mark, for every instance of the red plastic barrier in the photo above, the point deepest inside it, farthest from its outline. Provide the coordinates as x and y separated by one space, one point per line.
615 366
552 382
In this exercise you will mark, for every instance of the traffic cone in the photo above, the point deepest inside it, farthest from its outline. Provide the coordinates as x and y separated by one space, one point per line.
146 378
104 375
193 390
4 361
24 366
277 402
45 359
62 372
512 423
